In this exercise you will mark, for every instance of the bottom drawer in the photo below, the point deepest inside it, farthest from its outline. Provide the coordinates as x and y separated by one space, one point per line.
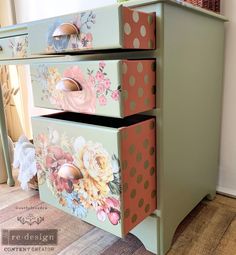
102 170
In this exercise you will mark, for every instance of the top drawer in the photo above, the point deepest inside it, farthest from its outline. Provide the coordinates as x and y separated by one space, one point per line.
112 27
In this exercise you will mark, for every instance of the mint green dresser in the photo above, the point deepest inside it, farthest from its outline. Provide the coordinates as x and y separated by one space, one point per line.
139 147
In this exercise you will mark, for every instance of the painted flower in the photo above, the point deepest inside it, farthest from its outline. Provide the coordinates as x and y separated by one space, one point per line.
79 101
110 209
73 202
86 40
56 157
100 76
102 100
60 183
115 95
95 161
100 88
102 64
107 83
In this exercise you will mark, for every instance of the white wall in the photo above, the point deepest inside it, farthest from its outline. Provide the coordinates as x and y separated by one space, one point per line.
227 178
28 10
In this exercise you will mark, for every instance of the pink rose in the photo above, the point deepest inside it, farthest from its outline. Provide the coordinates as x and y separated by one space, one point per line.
89 37
102 64
75 73
99 76
107 83
115 95
100 88
102 100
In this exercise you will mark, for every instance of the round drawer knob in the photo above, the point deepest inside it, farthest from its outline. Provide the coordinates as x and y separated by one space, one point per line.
68 84
65 29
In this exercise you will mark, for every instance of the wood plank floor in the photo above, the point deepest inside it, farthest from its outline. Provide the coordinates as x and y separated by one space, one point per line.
210 229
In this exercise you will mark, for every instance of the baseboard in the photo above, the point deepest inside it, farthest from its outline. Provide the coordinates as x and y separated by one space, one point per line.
226 191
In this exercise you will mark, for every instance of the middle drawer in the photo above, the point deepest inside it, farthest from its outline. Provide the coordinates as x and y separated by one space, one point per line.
115 88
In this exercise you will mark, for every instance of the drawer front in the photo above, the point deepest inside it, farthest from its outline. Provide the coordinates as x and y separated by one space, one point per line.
111 27
115 88
14 47
105 176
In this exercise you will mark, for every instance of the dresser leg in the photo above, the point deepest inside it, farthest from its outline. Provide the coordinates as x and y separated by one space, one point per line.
148 233
5 146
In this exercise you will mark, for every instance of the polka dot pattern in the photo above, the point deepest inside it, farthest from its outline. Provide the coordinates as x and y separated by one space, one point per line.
138 84
139 29
139 175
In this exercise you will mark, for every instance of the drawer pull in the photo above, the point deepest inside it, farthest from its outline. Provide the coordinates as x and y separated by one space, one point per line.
65 29
69 171
1 49
68 84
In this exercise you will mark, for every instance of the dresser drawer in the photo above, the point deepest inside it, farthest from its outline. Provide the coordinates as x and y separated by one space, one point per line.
14 47
92 30
100 169
115 88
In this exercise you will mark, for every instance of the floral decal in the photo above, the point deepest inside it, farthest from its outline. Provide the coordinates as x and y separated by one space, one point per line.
19 46
82 40
96 87
81 174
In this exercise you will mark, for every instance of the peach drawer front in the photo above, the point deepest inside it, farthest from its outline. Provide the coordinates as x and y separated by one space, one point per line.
92 30
102 170
14 47
114 88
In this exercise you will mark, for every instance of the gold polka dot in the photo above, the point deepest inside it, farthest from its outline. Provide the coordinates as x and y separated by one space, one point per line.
150 19
131 149
145 143
133 193
152 171
131 81
147 101
125 94
134 218
127 29
132 105
135 16
140 202
124 68
125 164
138 129
132 171
150 44
146 184
146 164
147 208
143 31
140 92
125 187
136 43
153 194
139 156
146 78
152 150
140 67
127 213
139 178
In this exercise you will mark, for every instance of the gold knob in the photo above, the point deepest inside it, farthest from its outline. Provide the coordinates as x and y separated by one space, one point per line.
1 49
68 84
65 29
70 171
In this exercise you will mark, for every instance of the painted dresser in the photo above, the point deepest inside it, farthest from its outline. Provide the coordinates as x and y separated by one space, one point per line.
136 146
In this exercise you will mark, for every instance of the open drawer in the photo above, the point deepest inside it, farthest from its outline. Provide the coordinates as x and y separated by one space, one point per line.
111 27
101 169
115 88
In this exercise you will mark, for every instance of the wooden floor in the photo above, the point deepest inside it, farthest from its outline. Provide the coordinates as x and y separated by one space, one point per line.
209 230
